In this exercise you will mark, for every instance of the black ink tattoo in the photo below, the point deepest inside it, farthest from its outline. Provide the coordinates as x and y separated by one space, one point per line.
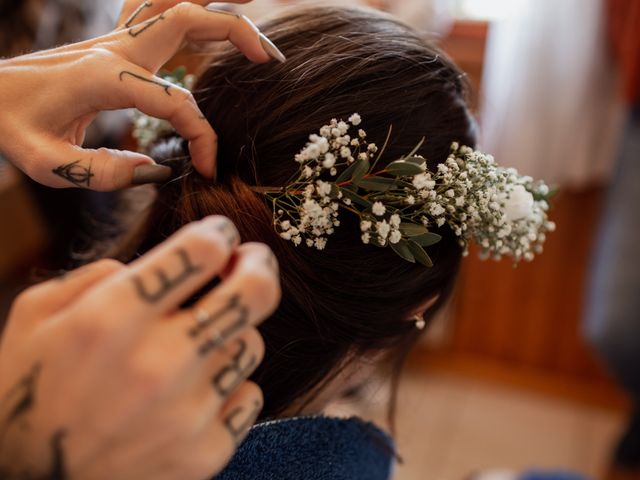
75 173
145 26
236 425
164 283
232 375
135 14
165 86
58 471
22 398
233 307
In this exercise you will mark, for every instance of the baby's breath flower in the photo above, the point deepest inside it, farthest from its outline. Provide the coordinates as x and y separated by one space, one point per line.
378 209
355 119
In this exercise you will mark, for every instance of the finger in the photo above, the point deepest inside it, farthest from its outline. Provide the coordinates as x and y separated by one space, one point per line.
249 295
152 43
234 362
46 299
102 169
157 98
135 12
241 411
165 277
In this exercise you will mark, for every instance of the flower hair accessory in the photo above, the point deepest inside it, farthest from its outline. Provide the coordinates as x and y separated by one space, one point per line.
401 205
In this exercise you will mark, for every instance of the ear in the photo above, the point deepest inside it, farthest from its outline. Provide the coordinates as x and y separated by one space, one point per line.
420 310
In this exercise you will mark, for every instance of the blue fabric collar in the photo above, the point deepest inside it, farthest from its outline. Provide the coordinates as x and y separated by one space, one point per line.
313 448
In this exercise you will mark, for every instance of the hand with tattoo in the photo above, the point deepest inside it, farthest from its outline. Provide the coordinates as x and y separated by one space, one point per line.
49 98
105 374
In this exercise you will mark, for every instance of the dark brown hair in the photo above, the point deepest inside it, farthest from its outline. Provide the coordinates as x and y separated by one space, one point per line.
351 298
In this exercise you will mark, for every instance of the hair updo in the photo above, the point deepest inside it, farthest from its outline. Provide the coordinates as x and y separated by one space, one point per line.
350 299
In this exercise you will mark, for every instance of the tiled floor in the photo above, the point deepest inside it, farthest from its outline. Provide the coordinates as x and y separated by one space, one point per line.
449 427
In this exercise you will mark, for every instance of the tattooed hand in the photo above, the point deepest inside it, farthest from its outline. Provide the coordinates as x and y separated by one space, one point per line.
103 375
49 98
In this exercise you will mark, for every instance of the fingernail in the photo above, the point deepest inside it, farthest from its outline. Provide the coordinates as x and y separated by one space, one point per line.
150 173
271 49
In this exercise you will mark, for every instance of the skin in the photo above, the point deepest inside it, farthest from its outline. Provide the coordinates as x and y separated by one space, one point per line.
100 381
49 98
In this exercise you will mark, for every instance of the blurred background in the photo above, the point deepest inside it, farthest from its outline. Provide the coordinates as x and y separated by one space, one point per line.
535 367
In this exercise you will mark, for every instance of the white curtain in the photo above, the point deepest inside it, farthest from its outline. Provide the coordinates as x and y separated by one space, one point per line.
549 103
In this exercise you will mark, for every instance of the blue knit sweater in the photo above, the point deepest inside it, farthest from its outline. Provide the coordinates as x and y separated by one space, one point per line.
313 448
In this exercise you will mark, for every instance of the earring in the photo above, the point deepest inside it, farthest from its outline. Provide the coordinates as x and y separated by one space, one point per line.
419 322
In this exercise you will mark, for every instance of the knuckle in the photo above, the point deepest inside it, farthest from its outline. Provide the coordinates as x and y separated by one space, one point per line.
108 266
86 330
98 55
203 242
182 11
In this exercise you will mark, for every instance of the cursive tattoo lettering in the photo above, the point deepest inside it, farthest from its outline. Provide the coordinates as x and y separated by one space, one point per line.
165 86
165 284
75 173
232 375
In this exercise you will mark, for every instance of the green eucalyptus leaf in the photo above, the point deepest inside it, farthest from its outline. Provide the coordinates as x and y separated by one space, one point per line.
412 229
376 184
427 239
419 254
416 148
361 168
402 249
354 197
346 173
403 169
416 160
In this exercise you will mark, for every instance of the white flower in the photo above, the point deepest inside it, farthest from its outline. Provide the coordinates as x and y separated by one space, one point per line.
394 221
297 240
285 225
410 200
355 119
347 201
383 229
519 204
366 238
324 188
395 236
436 209
373 148
378 209
343 127
363 156
307 172
333 172
286 235
365 225
320 243
345 152
362 133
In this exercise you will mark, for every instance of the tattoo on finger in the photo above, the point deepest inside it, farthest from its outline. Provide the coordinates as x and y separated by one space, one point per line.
164 284
240 419
165 86
233 374
135 31
75 173
233 308
135 14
